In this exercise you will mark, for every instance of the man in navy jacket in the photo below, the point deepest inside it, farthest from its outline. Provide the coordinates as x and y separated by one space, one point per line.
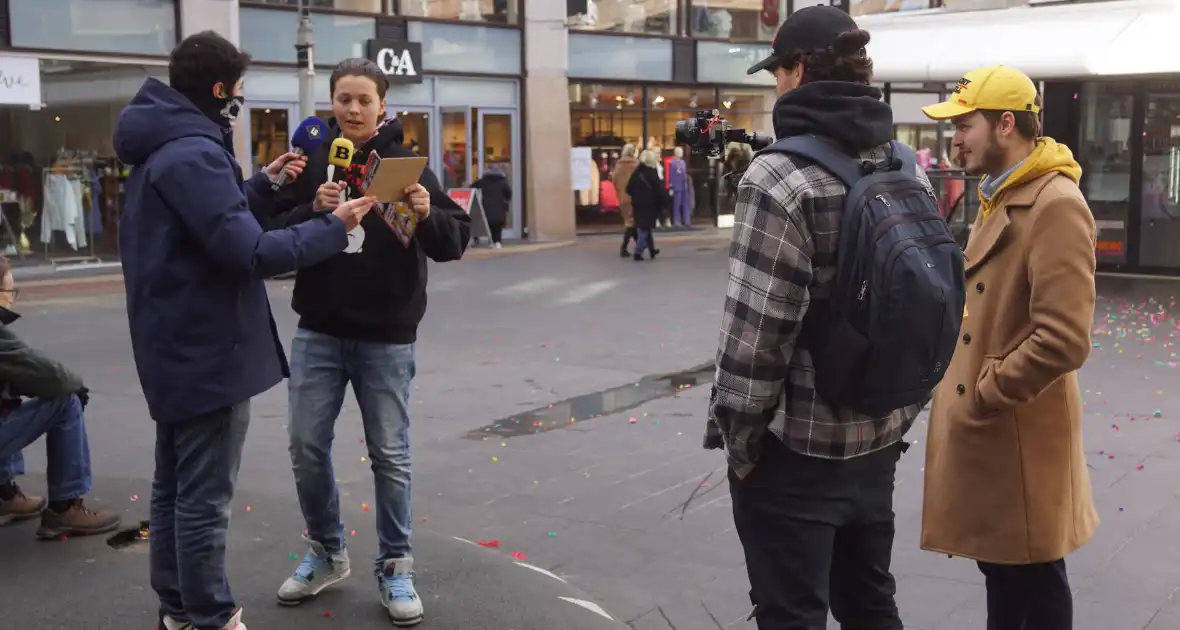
205 342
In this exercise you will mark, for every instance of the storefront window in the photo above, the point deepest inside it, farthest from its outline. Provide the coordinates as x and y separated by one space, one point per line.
269 135
494 11
655 17
1104 150
869 7
620 58
269 35
61 186
726 62
603 118
359 6
467 48
756 20
146 27
1160 227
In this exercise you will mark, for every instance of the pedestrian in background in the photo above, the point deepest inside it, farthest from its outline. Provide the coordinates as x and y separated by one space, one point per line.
621 177
495 197
649 198
358 321
195 258
1006 478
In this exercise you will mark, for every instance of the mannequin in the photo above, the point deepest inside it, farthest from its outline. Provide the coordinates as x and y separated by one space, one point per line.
678 185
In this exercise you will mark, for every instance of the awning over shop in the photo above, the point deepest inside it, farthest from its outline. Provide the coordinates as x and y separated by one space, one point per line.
1048 42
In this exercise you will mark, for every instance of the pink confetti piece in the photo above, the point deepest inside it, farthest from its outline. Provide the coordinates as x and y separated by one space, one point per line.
134 498
519 556
491 544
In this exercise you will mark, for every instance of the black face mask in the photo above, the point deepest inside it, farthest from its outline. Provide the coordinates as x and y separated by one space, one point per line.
223 111
7 316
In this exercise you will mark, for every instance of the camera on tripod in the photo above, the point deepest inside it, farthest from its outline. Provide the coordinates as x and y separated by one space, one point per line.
707 133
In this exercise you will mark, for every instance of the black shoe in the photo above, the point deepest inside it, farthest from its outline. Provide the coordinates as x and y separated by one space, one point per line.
654 253
623 253
638 257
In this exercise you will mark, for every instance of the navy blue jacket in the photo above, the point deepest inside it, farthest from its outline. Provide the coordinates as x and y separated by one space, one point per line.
195 258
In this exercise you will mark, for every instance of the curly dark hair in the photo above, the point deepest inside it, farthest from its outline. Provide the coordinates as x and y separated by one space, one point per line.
203 60
359 67
846 60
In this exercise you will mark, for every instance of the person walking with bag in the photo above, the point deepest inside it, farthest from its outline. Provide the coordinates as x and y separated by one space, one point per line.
649 198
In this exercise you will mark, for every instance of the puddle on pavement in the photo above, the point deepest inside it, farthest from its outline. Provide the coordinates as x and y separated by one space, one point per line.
597 404
129 539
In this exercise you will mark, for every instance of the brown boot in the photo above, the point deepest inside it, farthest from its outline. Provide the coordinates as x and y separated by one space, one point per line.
76 521
20 507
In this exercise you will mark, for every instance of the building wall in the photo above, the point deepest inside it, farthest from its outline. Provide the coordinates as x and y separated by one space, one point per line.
549 207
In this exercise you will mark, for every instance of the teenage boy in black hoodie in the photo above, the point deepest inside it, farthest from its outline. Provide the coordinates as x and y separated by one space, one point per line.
359 314
812 483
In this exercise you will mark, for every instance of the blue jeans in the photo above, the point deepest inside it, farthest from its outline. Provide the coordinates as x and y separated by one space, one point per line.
645 241
197 465
66 447
322 366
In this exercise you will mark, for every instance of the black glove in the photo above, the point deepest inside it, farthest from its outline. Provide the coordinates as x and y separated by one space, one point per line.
84 396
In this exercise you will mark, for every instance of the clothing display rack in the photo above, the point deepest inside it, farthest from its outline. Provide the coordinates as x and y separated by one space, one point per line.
72 205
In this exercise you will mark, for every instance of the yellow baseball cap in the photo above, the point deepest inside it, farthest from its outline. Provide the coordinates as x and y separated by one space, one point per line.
996 87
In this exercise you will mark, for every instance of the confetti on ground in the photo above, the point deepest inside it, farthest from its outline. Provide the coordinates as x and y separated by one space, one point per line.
293 556
365 507
553 534
1139 467
492 544
495 459
633 421
134 498
248 508
519 556
353 533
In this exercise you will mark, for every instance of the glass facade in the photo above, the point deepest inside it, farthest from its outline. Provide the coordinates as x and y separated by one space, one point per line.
653 17
467 48
146 27
869 7
1104 151
621 58
269 35
356 6
755 20
1159 223
491 11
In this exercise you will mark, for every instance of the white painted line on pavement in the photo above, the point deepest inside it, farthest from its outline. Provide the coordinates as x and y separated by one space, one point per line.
591 606
464 540
535 285
588 291
542 571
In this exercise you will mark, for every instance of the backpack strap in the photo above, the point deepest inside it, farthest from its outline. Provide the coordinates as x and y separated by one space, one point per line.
822 153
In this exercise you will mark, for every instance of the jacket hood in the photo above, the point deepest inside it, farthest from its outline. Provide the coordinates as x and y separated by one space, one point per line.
493 172
849 113
1049 156
158 115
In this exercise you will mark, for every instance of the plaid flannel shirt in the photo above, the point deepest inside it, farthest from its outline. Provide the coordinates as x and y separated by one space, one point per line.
783 256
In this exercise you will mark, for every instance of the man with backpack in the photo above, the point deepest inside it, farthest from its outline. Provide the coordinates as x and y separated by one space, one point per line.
843 308
1006 480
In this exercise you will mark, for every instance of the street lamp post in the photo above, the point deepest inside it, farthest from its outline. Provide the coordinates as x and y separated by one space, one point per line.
304 49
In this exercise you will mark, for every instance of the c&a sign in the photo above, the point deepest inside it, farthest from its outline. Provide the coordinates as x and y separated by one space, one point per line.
400 61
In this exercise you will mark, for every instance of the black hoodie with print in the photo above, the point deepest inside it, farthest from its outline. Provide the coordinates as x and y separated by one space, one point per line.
376 289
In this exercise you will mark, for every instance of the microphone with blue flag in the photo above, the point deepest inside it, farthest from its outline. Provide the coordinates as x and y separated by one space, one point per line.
307 138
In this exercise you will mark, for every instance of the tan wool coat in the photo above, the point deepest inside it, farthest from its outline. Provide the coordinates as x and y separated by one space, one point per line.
620 176
1006 478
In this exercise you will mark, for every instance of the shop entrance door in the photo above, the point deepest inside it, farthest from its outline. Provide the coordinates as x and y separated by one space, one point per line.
456 141
497 141
416 127
270 125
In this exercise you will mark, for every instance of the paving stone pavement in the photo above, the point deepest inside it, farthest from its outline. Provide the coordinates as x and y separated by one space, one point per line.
632 513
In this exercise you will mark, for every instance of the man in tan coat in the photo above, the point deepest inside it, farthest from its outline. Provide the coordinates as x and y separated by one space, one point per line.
1006 480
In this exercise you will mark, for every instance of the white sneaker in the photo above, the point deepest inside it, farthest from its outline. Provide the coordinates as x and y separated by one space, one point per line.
176 624
316 572
497 245
235 622
395 578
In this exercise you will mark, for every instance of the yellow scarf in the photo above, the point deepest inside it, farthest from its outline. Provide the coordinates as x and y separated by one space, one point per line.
1049 156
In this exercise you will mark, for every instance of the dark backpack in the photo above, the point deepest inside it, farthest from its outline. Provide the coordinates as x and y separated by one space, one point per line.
885 337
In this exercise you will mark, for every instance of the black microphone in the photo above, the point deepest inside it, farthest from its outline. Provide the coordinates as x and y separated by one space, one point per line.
307 138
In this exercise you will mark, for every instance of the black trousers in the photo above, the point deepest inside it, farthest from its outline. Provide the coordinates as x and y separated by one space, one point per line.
1028 596
818 533
629 234
496 230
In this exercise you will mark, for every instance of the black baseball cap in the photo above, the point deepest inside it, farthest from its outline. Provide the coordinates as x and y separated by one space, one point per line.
807 30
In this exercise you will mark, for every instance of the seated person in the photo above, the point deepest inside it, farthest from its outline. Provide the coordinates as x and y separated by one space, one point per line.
52 405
